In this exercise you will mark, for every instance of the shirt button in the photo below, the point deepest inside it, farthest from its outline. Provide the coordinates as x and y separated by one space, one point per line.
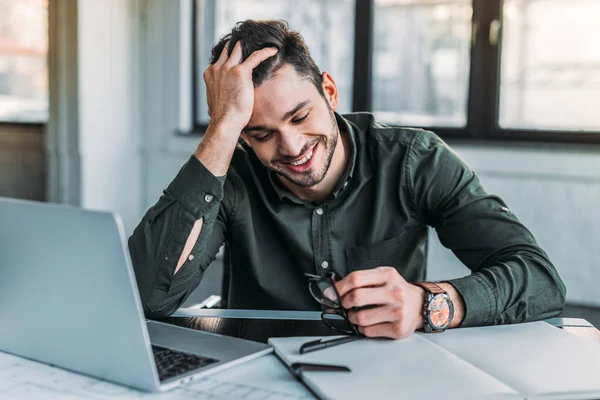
191 257
325 265
208 198
319 211
345 183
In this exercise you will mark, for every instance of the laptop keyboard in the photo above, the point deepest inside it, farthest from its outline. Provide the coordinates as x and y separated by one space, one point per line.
172 363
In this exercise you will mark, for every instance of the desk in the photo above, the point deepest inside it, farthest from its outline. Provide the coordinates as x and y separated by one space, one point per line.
586 332
24 379
261 329
256 329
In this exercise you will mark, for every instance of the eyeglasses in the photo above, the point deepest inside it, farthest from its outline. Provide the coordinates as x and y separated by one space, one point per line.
322 288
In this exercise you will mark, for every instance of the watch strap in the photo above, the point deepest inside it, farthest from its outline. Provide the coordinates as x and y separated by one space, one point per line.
431 287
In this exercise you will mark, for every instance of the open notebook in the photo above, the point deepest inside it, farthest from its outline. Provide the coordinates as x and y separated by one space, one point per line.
525 361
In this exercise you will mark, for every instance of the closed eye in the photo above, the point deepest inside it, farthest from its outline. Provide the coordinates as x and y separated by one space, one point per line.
263 137
301 119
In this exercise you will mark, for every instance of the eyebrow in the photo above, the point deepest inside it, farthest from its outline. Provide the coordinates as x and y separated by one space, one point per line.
285 117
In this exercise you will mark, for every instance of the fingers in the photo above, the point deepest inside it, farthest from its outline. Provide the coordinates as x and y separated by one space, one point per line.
386 329
259 56
398 304
366 296
229 85
223 57
372 277
385 321
235 57
376 315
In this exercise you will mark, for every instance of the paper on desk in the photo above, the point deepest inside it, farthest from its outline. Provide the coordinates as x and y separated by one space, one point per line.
410 368
265 375
536 358
261 378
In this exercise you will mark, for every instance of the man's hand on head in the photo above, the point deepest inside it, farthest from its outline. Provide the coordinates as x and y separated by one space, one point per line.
229 86
230 98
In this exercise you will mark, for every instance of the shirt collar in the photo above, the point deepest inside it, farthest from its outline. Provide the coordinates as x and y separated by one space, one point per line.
344 127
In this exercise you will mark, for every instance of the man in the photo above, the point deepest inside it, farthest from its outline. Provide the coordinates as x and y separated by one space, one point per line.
311 191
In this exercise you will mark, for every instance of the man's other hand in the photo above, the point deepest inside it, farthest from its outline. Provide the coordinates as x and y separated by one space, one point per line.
396 305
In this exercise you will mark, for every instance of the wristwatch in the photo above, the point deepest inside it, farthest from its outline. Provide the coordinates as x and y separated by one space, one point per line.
438 309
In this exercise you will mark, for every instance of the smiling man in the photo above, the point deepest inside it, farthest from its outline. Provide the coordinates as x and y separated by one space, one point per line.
307 190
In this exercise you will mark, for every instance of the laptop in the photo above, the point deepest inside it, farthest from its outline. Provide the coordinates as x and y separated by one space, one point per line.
69 298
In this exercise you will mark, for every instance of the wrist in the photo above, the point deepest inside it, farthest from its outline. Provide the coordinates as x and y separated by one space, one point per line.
227 124
457 301
217 146
421 295
438 308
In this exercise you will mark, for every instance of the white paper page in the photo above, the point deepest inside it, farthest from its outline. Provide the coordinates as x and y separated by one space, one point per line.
381 368
536 358
262 378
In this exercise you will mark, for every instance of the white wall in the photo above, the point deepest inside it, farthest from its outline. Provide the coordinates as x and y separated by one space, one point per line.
94 136
553 189
164 151
109 140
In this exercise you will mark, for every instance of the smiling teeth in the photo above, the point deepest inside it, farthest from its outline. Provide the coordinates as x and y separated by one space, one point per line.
303 160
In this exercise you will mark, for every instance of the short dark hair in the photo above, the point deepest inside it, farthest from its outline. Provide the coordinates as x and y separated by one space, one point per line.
256 35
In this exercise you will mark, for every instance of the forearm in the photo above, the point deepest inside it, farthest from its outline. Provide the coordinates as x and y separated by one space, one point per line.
155 246
189 244
513 280
170 247
217 146
523 287
214 152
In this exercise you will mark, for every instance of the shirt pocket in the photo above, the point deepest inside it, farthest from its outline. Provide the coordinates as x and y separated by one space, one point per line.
402 251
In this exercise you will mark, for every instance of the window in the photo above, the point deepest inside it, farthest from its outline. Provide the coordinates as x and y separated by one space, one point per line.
421 61
23 61
325 25
550 71
525 70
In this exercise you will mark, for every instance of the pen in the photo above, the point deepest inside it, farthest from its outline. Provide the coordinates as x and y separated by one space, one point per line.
323 344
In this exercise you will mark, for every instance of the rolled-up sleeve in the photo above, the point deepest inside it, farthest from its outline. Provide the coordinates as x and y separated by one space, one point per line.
512 279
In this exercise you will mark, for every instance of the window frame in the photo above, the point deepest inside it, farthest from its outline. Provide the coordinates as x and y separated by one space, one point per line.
483 96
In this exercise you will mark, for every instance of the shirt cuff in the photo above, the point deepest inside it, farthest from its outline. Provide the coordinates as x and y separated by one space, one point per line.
478 298
196 189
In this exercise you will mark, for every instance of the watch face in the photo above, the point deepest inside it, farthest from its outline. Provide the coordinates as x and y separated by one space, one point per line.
440 311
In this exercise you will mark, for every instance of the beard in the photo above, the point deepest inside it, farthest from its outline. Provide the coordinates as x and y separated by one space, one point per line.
314 175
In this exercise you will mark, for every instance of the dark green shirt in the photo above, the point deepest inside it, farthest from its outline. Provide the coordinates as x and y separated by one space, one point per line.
398 182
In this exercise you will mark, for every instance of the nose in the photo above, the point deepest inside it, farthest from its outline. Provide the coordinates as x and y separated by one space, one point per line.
290 144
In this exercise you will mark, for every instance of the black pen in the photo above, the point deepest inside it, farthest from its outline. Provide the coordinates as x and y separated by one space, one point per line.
319 344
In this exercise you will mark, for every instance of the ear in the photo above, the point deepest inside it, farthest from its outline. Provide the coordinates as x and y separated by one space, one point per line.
330 90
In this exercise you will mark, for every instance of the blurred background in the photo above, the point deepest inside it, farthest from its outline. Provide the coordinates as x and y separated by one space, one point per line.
102 101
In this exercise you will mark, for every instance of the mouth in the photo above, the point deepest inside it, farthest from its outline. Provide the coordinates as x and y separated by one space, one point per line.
304 163
304 159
